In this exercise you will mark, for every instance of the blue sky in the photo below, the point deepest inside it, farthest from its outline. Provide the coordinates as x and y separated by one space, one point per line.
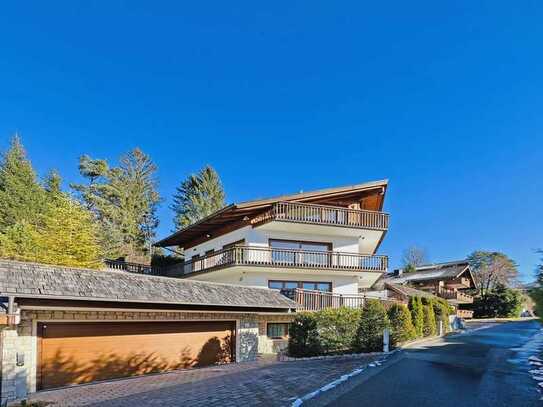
443 98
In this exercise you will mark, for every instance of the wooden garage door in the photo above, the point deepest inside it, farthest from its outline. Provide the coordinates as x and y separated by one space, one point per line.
75 353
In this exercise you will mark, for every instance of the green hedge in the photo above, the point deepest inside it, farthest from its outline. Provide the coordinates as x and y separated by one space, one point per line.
417 315
337 328
340 330
304 337
430 327
401 326
369 337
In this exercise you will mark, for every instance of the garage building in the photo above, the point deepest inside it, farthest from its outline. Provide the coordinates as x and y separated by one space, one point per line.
62 326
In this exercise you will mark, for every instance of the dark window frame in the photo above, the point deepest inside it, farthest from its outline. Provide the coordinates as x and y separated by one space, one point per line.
300 284
300 243
285 327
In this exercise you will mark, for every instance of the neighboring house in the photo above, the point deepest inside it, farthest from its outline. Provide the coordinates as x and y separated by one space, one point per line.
446 280
61 326
317 247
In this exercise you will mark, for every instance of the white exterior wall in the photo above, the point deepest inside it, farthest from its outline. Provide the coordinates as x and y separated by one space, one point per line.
260 237
340 284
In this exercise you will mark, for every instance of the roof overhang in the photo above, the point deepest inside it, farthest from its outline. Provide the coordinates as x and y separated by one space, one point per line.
240 214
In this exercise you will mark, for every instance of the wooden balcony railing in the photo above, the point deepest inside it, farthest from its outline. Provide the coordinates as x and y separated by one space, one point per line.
455 296
325 215
464 313
136 268
461 282
286 258
311 300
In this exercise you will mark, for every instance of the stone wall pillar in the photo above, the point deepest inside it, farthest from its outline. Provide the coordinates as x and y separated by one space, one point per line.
18 370
247 339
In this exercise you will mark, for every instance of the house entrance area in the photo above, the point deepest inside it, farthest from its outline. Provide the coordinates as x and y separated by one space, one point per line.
82 352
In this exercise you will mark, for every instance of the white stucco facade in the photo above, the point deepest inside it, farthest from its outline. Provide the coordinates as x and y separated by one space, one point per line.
341 239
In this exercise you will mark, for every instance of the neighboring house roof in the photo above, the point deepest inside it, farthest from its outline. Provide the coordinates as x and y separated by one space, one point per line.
32 280
239 212
437 271
409 291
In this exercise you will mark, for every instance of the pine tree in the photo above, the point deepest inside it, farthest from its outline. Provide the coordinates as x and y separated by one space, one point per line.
45 224
198 196
124 200
22 198
52 183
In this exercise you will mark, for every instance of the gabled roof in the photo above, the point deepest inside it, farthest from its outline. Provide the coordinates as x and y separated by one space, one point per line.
239 212
437 271
32 280
408 292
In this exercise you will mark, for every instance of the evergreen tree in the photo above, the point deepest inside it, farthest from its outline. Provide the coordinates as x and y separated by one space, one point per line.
69 235
369 337
401 326
22 198
198 196
20 242
43 224
53 183
429 326
417 317
124 200
304 336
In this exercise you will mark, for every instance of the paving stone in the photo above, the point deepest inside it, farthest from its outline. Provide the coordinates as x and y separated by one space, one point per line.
263 382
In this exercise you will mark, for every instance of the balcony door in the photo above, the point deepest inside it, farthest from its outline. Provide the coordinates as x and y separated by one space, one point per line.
300 252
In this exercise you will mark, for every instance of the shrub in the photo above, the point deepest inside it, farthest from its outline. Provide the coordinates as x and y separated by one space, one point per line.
429 328
304 336
417 317
369 336
337 328
442 310
501 302
401 326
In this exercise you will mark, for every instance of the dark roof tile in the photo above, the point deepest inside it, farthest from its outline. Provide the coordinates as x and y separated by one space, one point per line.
39 280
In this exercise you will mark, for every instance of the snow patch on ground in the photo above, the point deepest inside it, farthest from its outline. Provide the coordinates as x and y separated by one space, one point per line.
299 401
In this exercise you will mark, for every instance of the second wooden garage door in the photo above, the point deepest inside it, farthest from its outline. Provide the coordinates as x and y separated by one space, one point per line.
75 353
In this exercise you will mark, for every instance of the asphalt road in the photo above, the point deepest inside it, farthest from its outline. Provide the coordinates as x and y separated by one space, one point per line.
486 367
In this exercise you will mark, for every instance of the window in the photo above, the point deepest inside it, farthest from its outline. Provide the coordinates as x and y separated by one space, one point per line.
234 244
277 330
306 285
327 287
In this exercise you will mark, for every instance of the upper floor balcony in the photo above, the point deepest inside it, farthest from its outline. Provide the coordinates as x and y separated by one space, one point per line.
275 258
324 215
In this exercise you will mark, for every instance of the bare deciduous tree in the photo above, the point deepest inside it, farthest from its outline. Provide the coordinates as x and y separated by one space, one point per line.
414 256
491 269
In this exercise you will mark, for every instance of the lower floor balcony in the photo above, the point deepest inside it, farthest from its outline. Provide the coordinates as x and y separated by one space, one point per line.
455 296
464 313
312 300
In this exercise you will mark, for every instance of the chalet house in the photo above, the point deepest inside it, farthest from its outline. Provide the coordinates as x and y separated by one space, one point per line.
62 326
446 280
319 247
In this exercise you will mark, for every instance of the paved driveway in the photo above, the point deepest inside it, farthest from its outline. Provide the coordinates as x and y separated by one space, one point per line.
264 383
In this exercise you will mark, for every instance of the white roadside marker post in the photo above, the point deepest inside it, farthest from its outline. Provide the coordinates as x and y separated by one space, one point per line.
386 340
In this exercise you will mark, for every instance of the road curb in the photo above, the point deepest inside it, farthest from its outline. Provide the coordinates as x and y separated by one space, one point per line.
344 378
